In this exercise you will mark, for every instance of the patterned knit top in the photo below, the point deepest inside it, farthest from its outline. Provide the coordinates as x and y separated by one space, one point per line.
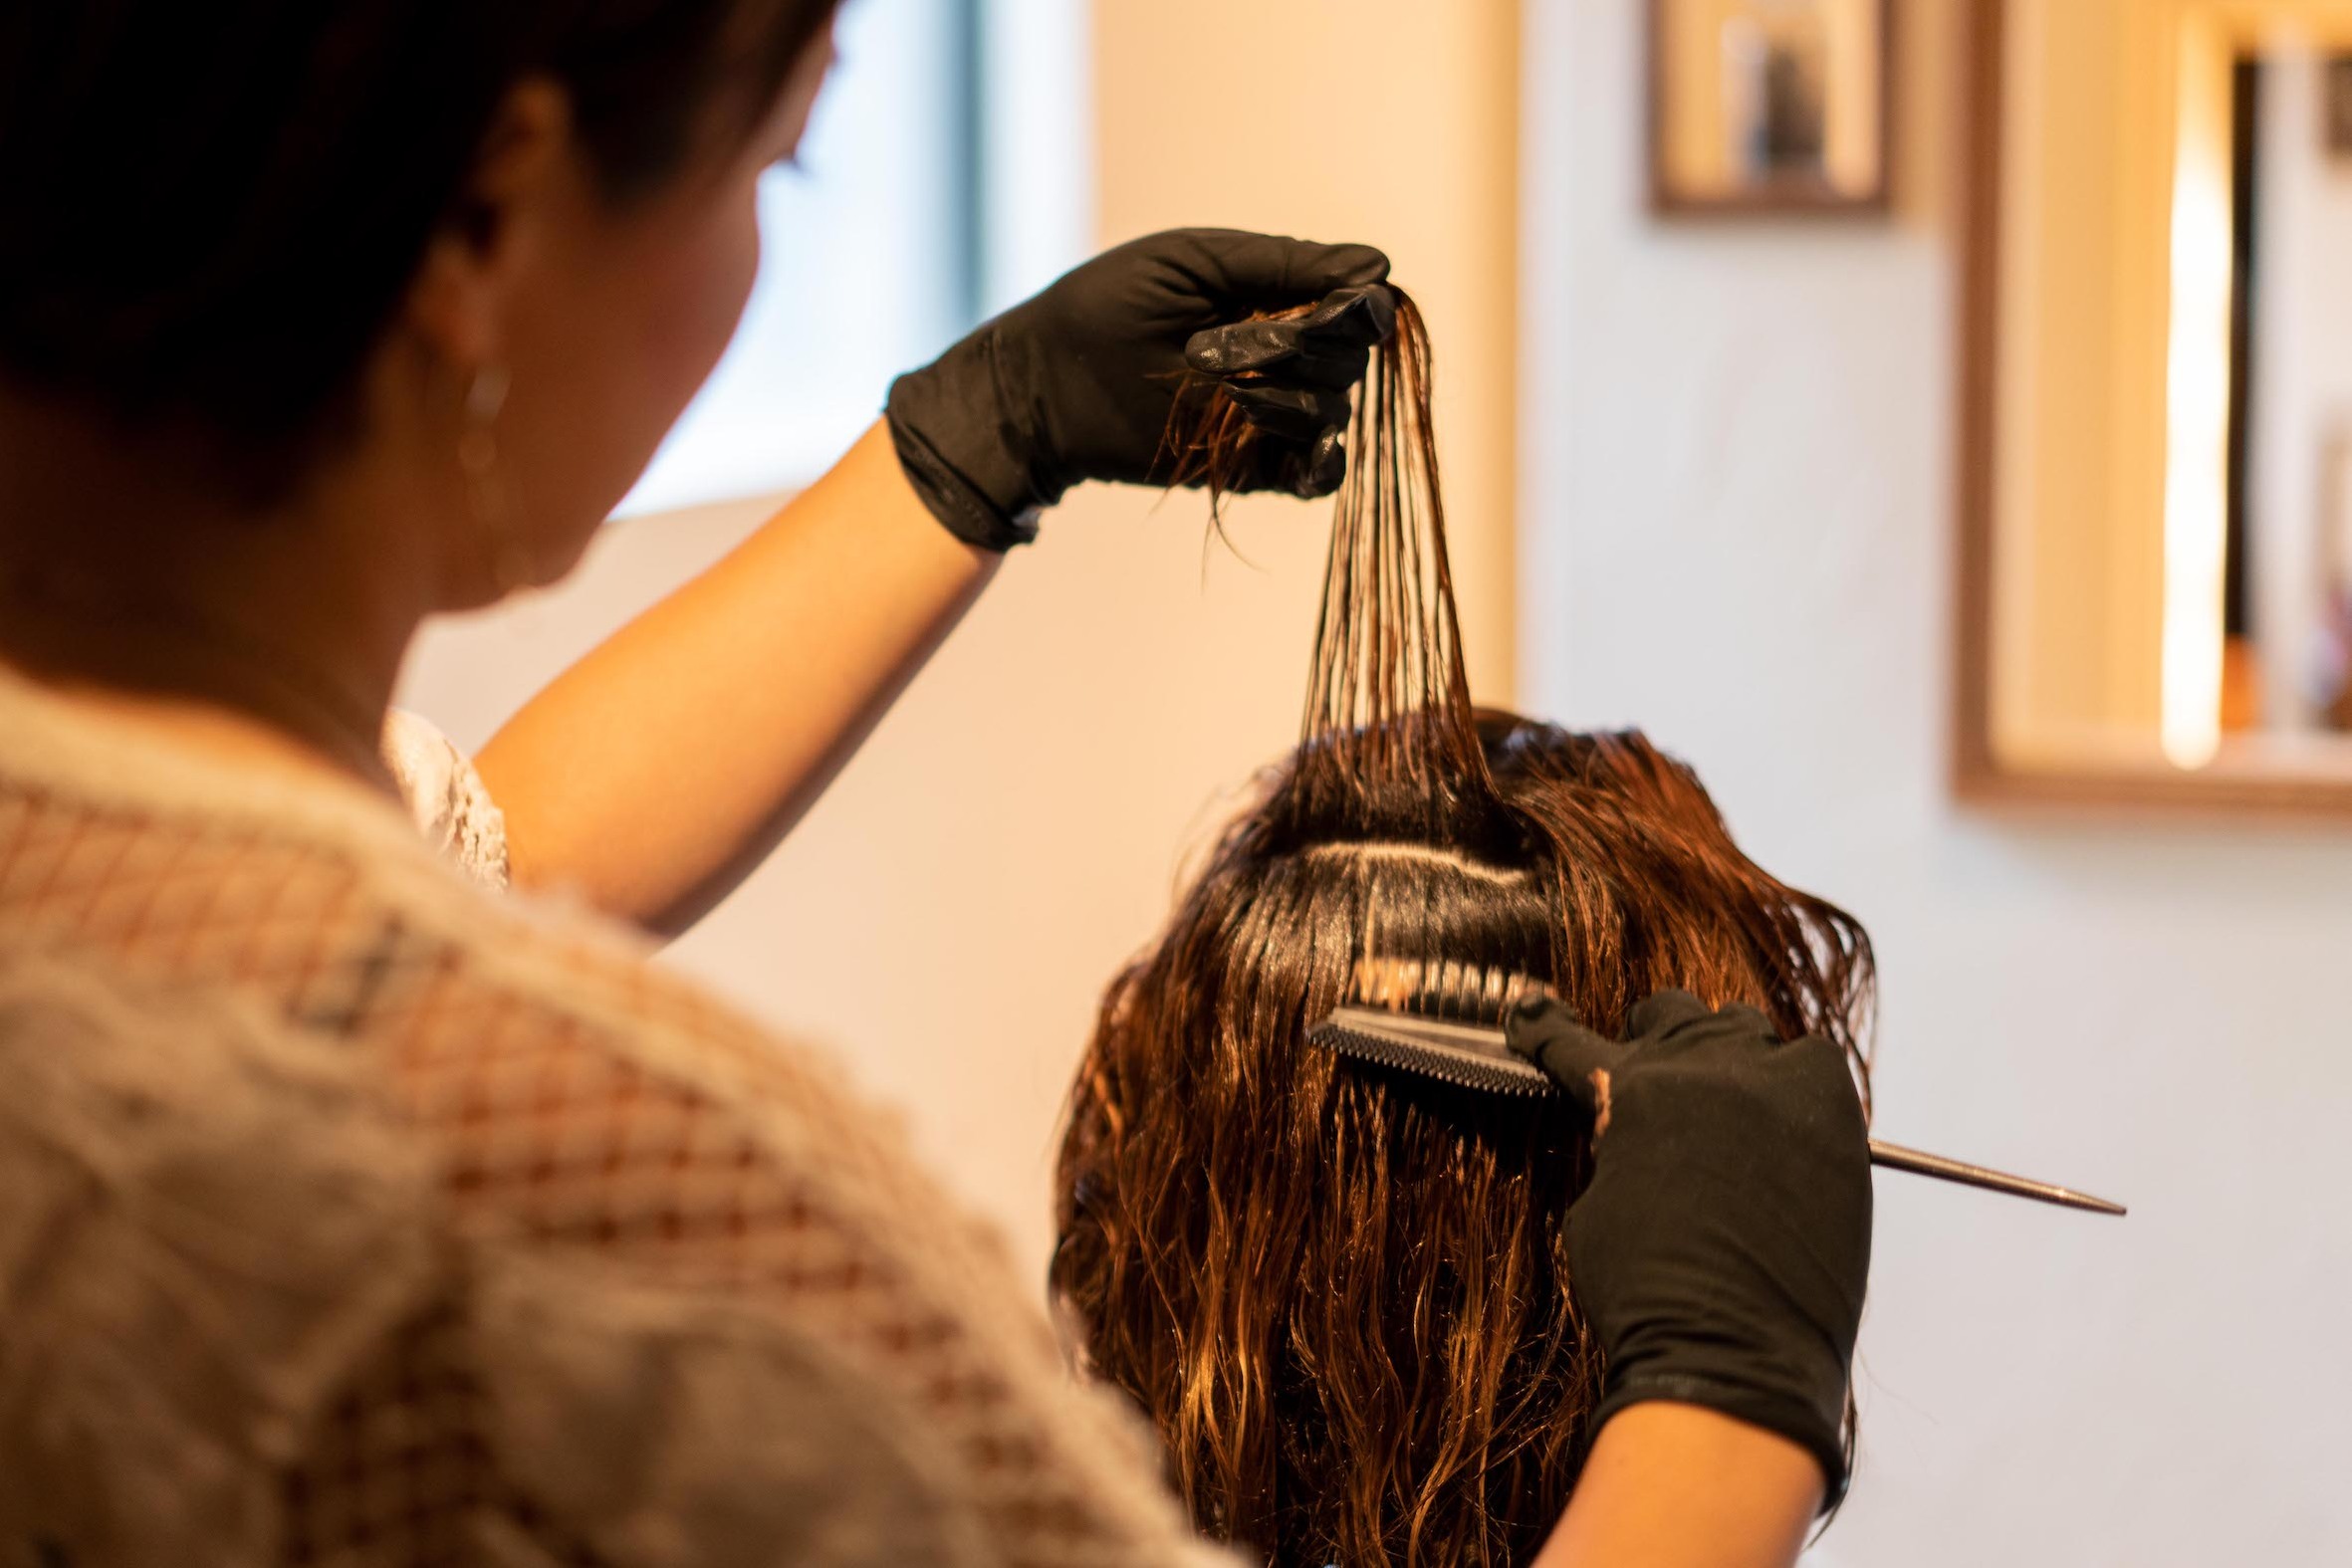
351 1214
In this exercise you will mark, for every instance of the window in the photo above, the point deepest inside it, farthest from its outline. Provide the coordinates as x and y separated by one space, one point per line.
942 177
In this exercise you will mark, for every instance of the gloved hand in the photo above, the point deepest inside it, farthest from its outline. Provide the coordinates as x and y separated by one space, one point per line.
1077 384
1720 1250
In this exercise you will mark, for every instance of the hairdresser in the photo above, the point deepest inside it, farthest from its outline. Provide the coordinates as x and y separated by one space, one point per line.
352 1209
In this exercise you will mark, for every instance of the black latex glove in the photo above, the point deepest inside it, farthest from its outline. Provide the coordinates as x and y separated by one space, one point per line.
1077 384
1721 1251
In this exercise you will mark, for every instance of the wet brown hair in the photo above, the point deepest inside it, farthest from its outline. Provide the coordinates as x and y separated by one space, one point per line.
1341 1293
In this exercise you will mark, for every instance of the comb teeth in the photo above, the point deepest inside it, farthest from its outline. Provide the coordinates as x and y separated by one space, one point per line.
1447 988
1440 1019
1487 1070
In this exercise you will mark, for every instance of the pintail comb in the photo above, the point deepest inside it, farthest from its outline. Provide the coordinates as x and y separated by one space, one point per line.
1438 1020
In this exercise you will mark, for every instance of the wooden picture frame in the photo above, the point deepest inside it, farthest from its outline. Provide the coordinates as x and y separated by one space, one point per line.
1673 194
2242 786
2336 107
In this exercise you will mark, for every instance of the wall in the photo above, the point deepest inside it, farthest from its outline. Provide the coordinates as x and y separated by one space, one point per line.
1738 474
949 914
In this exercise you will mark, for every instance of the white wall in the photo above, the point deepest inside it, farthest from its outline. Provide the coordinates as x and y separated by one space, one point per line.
1738 533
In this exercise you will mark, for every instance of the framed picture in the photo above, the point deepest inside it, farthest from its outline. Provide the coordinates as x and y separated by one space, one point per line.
1770 107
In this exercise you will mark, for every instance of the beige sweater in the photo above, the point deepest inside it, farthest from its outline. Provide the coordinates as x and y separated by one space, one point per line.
351 1214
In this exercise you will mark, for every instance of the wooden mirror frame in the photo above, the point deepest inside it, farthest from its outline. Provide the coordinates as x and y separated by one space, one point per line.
2239 787
1795 200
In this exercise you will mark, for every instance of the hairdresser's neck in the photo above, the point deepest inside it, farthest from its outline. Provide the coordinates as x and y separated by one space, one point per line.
273 632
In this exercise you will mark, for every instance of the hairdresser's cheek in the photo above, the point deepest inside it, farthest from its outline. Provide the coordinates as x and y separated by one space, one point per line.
649 322
684 303
701 288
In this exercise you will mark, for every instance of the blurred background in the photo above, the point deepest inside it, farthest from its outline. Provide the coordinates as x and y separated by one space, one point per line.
1824 389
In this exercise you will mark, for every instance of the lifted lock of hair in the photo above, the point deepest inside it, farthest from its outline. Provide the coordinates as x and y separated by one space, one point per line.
1340 1292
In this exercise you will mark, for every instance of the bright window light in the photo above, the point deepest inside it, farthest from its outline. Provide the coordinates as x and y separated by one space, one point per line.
887 240
2195 506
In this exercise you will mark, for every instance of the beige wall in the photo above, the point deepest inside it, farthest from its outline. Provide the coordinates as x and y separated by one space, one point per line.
947 917
1399 125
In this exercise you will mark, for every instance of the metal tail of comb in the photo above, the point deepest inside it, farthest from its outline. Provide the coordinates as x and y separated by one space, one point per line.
1444 1021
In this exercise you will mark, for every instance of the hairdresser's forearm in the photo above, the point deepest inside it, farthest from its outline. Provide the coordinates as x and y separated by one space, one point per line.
1678 1486
657 772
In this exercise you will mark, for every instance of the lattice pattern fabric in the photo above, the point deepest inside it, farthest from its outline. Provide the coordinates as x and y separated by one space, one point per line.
351 1216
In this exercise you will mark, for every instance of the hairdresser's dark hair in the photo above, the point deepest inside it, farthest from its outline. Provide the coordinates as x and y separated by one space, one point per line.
209 211
1341 1293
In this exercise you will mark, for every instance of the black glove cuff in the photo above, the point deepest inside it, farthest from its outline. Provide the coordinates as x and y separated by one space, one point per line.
955 497
970 449
1789 1415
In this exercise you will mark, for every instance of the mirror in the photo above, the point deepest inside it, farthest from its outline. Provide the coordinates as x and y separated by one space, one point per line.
2156 586
1769 106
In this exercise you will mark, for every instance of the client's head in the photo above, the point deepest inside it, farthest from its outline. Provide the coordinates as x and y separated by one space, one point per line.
1339 1292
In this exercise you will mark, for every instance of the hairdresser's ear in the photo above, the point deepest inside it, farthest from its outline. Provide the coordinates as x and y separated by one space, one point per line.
525 180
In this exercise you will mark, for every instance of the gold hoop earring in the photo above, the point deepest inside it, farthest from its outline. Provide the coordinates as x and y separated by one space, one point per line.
486 497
